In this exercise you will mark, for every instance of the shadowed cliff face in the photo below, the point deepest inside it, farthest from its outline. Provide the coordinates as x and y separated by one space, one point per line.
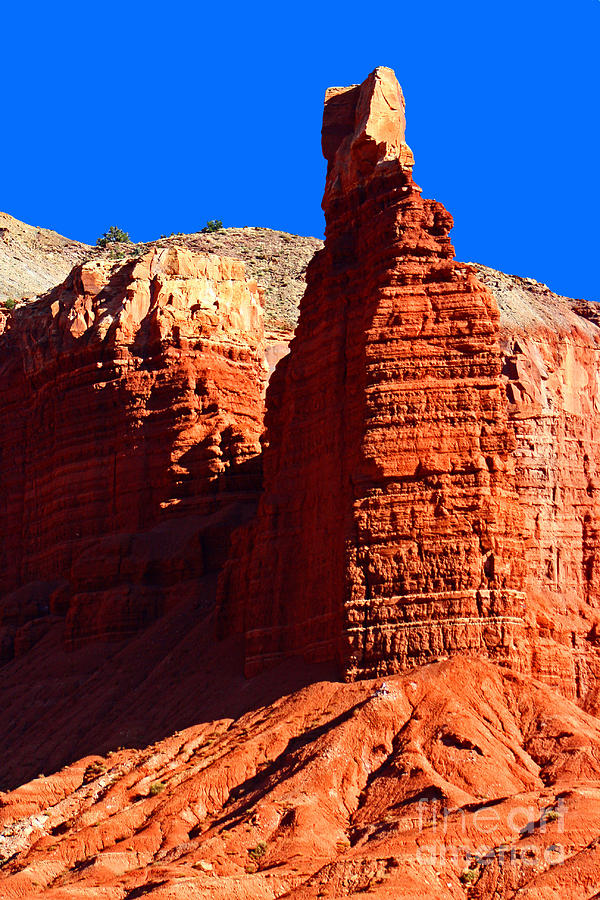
404 516
130 418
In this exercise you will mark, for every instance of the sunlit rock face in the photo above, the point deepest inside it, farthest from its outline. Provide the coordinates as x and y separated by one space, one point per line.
130 415
552 379
404 503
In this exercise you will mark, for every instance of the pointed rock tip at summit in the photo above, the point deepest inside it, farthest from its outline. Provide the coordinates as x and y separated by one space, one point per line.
363 126
380 72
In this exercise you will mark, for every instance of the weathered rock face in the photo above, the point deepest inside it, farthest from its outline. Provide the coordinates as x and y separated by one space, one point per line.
400 517
130 415
550 367
33 260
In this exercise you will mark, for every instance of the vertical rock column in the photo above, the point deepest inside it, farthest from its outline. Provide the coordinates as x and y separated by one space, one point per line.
388 533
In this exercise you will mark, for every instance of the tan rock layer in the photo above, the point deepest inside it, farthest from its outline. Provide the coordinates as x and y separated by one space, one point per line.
33 260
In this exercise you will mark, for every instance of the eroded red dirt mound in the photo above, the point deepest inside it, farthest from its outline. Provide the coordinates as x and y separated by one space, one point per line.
459 776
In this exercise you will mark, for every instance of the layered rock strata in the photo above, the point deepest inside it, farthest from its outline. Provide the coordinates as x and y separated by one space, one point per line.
130 416
33 260
551 374
400 516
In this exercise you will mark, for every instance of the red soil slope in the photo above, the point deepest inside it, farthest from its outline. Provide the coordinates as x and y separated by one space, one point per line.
459 779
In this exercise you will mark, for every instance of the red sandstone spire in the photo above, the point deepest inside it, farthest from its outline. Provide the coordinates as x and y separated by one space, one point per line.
363 132
394 527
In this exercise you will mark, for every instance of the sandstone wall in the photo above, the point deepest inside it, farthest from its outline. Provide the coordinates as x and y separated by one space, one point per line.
130 415
550 367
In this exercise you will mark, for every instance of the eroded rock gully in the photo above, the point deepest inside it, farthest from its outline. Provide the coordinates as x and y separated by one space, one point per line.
130 416
430 465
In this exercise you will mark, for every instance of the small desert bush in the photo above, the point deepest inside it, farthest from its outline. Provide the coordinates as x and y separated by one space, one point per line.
258 852
470 876
114 235
94 770
156 788
212 225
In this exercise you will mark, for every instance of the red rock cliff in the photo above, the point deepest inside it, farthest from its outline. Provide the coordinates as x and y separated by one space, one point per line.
550 368
400 517
130 414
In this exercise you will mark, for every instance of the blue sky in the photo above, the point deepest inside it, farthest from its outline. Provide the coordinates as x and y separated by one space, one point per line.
157 117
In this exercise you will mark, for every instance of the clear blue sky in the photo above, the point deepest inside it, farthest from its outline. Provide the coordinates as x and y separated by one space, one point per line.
157 117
